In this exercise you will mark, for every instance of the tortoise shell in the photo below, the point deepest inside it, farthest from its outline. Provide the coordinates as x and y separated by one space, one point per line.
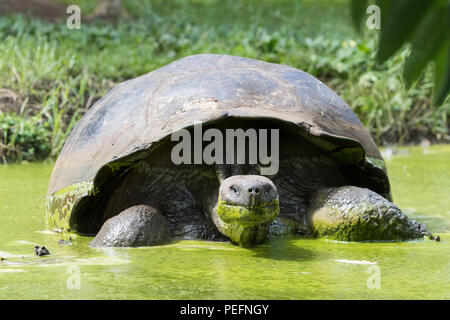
128 122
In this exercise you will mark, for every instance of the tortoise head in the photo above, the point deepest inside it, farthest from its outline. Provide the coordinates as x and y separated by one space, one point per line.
246 206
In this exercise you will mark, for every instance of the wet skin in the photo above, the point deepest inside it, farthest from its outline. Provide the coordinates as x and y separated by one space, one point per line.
229 202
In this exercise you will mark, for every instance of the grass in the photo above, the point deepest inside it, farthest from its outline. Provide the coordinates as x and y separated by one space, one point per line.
50 75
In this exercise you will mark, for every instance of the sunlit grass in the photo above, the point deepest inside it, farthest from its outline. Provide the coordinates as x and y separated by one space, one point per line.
50 75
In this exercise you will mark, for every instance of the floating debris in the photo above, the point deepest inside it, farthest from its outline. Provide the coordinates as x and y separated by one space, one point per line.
7 256
355 261
52 231
44 231
26 242
65 242
11 270
41 251
336 241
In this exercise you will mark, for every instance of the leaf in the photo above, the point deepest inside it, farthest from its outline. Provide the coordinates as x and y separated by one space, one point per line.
399 19
426 42
442 73
385 6
358 10
423 23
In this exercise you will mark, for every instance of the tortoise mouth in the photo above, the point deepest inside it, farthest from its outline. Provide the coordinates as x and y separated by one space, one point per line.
248 215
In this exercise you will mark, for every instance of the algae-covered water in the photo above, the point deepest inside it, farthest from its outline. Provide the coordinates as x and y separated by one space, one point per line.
283 268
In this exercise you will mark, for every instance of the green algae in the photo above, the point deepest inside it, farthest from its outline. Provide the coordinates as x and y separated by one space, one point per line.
420 181
246 225
281 268
377 163
61 203
247 217
357 214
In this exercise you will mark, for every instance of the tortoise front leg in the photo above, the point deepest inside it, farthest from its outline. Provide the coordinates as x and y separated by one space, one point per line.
136 226
358 214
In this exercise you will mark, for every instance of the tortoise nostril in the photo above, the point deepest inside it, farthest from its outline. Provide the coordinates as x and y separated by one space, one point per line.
256 190
253 190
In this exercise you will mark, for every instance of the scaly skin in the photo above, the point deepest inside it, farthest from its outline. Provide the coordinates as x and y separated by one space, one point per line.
358 214
196 203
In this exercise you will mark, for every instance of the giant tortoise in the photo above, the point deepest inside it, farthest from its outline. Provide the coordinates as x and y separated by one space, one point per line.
124 176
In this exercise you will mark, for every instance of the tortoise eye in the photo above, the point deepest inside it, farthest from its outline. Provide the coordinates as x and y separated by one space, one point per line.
233 188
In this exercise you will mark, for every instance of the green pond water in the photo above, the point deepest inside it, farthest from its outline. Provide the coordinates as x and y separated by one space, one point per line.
282 268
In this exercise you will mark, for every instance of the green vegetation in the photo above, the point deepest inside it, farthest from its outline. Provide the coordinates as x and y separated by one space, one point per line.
424 24
50 75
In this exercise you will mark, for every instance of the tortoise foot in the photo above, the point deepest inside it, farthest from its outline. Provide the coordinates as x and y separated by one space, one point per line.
134 227
358 214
